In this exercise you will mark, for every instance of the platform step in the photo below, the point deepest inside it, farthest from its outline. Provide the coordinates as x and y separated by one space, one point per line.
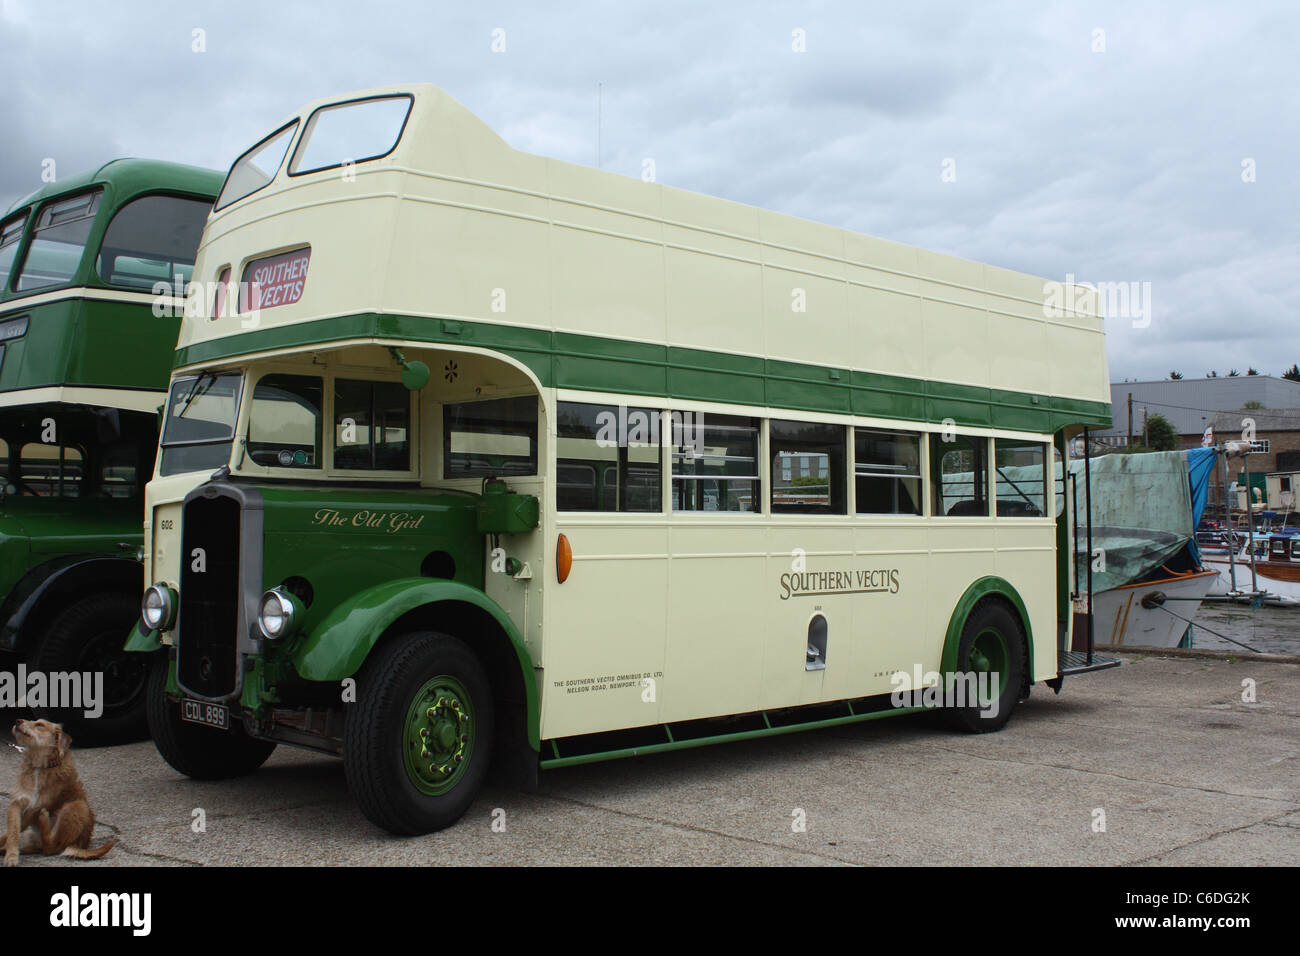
1076 662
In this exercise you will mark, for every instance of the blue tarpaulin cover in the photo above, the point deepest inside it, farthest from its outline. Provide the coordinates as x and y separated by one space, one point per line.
1200 465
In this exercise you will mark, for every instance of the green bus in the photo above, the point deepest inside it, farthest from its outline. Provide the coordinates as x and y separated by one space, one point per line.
93 270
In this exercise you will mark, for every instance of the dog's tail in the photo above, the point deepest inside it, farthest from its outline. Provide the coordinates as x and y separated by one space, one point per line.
89 853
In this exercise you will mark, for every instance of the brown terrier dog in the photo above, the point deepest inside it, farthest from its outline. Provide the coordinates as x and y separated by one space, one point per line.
49 813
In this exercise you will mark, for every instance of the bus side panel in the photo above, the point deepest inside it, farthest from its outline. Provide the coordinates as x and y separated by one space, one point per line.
606 628
961 552
1026 560
717 624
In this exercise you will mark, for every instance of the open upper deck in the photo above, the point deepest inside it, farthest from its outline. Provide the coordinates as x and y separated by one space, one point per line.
79 263
600 281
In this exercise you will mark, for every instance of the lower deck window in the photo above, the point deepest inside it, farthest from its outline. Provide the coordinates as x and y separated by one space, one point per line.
607 458
715 463
285 421
1019 480
887 472
372 426
959 475
496 438
808 467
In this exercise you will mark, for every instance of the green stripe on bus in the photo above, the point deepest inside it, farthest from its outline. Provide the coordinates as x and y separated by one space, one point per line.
593 363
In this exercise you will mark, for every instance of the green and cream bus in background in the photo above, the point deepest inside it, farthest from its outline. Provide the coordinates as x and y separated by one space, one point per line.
86 344
474 457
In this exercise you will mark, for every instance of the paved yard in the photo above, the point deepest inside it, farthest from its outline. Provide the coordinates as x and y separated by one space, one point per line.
1184 772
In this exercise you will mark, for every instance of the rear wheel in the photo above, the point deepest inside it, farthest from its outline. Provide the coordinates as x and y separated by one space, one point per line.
204 753
87 638
417 741
991 668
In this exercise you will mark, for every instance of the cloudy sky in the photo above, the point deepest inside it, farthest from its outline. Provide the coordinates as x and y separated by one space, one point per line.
1115 142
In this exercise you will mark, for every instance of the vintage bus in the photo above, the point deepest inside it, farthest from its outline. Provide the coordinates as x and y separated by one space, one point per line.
475 457
92 273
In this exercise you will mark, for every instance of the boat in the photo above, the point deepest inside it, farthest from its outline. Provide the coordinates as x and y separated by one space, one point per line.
1276 578
1152 574
1136 614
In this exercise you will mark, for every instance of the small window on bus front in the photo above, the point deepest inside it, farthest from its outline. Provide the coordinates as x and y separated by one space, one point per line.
495 438
887 466
58 239
715 462
284 423
1019 482
959 475
350 133
372 426
257 167
152 239
10 235
808 467
607 458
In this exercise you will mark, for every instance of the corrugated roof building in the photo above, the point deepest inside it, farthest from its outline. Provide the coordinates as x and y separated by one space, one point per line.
1190 404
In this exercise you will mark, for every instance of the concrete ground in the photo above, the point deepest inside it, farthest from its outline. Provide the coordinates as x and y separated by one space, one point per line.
1183 770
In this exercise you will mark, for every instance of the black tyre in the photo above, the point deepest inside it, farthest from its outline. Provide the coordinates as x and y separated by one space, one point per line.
417 742
992 650
203 753
87 637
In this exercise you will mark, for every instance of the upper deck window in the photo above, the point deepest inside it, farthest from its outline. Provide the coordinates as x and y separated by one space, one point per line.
349 133
257 167
10 233
58 239
152 239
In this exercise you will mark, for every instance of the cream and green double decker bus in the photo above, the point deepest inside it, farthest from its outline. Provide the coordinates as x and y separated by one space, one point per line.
92 276
478 459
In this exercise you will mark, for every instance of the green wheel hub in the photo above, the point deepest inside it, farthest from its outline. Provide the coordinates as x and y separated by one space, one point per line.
989 654
439 735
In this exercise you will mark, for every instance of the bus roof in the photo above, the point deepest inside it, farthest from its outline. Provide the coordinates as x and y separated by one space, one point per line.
131 176
452 236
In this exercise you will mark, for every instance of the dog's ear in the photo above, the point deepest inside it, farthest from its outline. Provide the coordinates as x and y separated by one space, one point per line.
62 741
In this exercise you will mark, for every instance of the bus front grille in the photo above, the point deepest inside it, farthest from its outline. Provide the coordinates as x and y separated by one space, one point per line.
208 625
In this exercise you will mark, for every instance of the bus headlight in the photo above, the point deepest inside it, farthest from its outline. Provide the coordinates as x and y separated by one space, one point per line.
158 609
279 613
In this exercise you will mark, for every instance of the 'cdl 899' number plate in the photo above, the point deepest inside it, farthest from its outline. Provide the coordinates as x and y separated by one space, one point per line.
201 712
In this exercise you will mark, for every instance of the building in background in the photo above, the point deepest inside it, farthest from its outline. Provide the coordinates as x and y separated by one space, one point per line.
1191 405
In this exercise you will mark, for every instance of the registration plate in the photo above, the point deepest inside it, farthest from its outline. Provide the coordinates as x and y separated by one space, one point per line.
201 712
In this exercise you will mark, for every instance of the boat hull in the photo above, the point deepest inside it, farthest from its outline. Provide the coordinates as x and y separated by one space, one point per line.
1120 619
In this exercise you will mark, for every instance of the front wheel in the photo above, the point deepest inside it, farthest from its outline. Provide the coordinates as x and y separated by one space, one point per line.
416 743
991 668
204 753
86 638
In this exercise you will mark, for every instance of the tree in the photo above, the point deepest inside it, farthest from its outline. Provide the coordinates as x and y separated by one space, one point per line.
1252 404
1175 376
1233 373
1252 371
1293 373
1211 374
1160 433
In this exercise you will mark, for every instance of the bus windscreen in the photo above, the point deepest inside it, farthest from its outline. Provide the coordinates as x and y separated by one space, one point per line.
257 167
10 233
350 133
58 241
